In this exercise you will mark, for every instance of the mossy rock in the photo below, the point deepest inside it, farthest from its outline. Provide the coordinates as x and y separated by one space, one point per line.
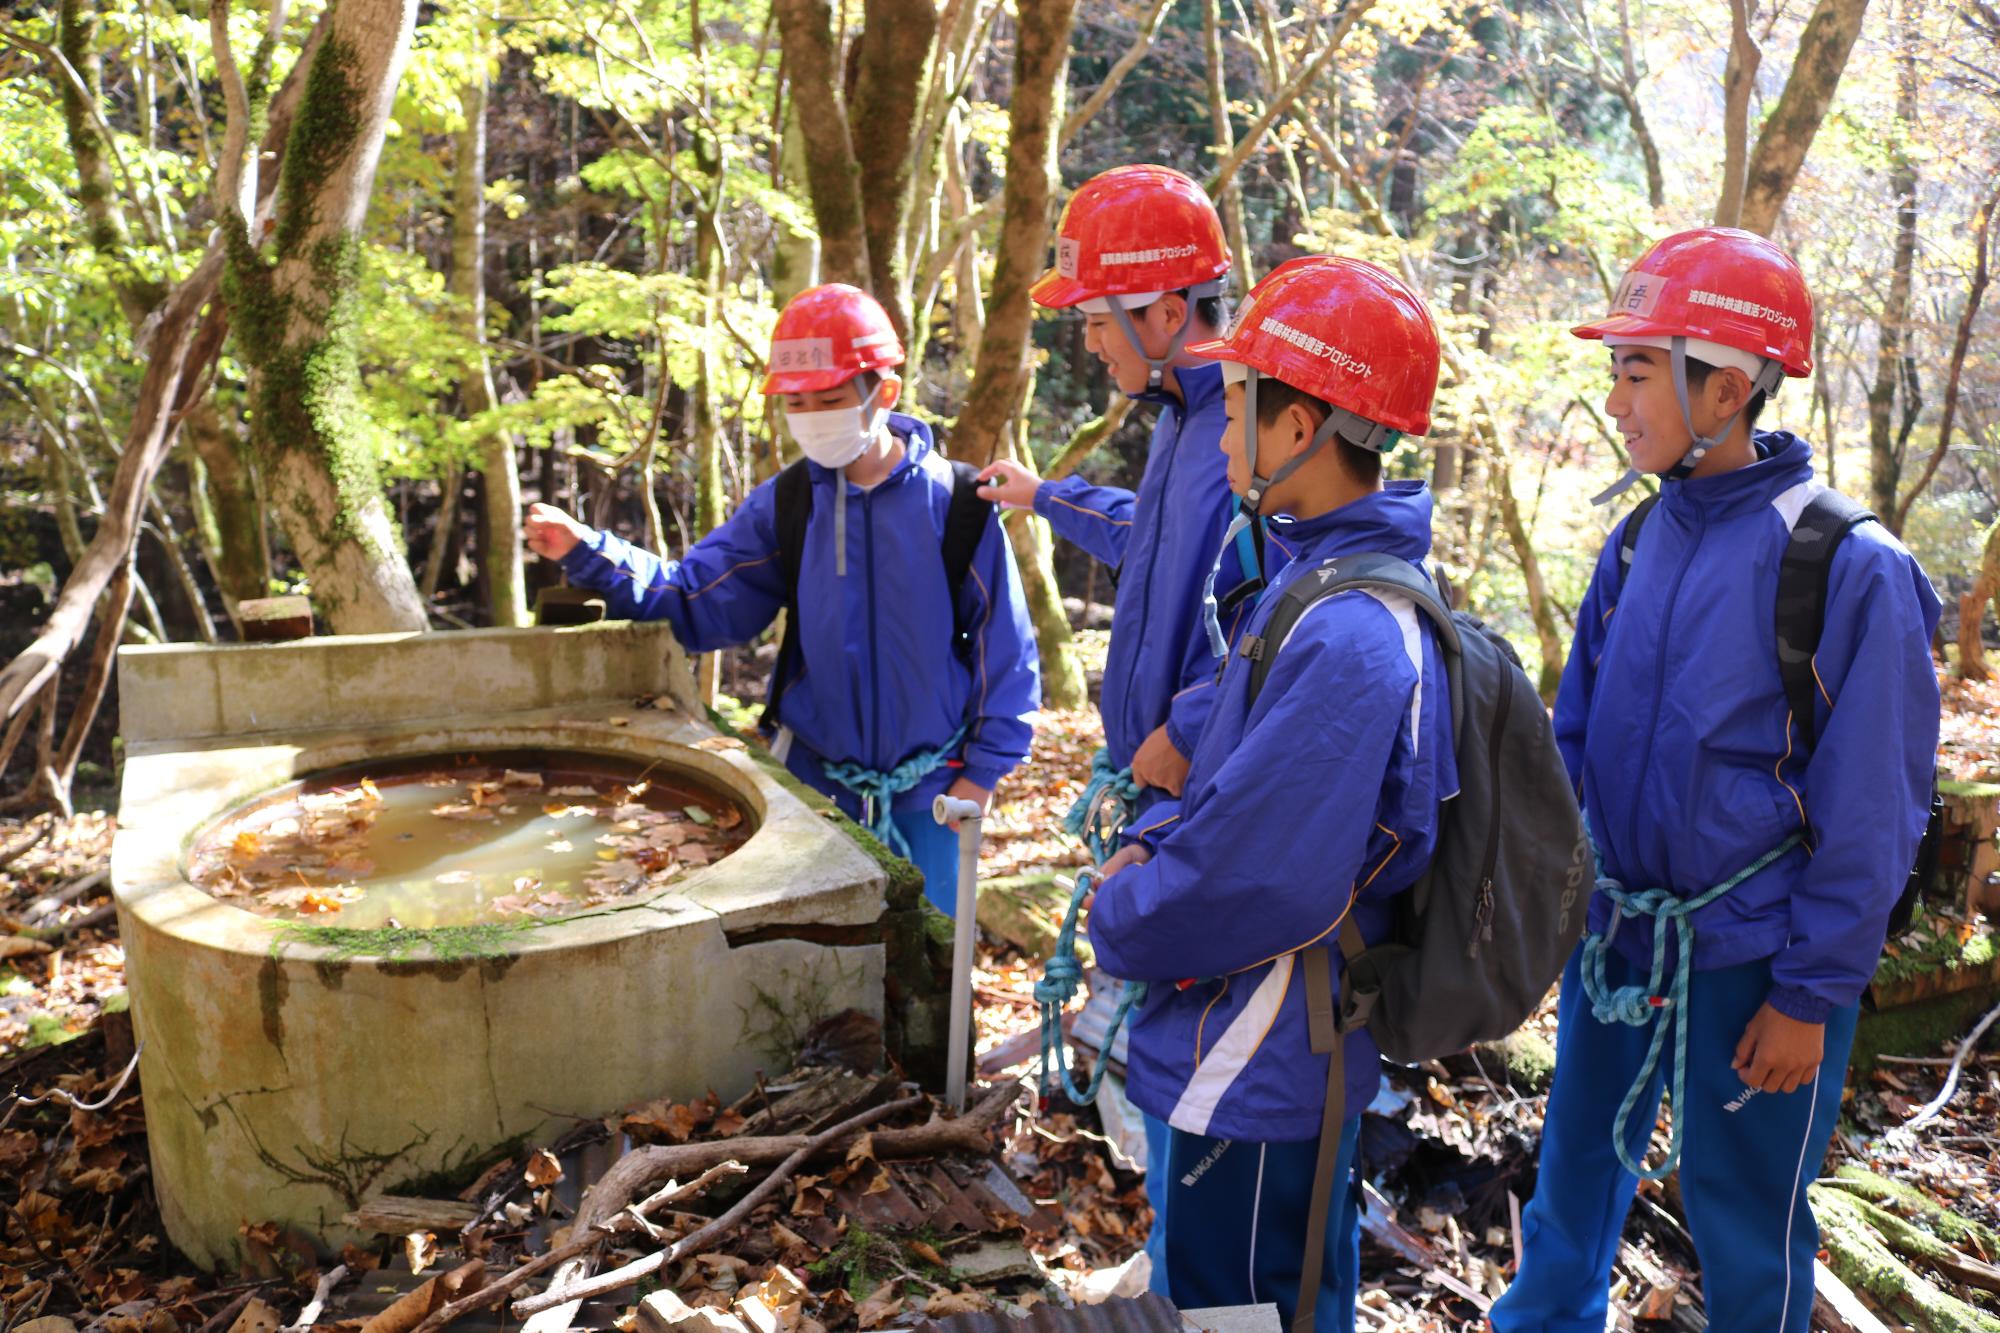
1923 1028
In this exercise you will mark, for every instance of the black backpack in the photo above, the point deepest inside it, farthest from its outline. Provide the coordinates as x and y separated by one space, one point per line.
792 503
1800 616
1487 928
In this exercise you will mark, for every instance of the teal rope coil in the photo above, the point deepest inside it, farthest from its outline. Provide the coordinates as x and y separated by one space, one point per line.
1636 1006
878 790
1101 813
1061 976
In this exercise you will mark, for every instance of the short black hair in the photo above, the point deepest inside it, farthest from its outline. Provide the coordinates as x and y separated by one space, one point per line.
1274 396
1698 372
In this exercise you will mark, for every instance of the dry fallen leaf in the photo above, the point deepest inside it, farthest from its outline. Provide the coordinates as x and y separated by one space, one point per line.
543 1169
420 1250
719 743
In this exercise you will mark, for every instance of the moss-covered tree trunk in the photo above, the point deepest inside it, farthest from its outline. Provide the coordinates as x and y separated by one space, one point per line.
506 587
893 71
1034 115
833 173
297 311
1063 684
1895 362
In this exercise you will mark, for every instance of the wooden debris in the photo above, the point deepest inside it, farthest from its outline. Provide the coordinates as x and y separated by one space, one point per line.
664 1312
1838 1310
401 1214
416 1309
275 619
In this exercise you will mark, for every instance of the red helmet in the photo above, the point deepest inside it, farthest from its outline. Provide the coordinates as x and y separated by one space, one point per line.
1343 331
826 336
1134 231
1718 285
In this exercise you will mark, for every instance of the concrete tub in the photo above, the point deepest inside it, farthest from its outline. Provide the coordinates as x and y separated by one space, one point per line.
290 1073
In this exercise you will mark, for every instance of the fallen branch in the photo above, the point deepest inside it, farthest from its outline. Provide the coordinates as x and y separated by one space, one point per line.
310 1315
1936 1104
65 1098
494 1292
69 893
966 1134
27 844
1837 1309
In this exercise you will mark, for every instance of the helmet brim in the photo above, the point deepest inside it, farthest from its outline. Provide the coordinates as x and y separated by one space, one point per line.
1056 292
806 381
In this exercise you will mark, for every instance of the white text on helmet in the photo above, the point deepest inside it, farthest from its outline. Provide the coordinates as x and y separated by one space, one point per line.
1736 305
1148 256
1319 347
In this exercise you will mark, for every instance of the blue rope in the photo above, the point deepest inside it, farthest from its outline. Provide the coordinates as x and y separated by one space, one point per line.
878 790
1110 791
1637 1006
1061 976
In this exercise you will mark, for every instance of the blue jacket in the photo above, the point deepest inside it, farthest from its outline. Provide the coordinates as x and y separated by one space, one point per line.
1161 541
1321 795
879 679
1673 722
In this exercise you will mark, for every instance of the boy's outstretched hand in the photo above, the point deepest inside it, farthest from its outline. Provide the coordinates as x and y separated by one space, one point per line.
1010 484
551 533
1779 1053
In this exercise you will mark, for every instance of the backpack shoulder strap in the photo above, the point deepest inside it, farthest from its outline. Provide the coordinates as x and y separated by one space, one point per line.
1803 572
964 523
1370 572
791 507
1628 537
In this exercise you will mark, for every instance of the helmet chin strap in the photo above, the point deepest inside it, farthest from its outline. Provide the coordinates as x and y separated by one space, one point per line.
1356 430
1769 375
1156 366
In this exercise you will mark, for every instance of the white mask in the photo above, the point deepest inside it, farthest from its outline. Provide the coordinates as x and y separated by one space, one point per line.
836 437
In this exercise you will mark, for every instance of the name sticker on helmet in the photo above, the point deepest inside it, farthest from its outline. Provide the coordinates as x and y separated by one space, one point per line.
802 354
1736 305
1638 294
1066 257
1319 347
1153 256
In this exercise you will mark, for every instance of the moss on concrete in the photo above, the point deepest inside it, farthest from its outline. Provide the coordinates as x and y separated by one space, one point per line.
1922 1028
446 944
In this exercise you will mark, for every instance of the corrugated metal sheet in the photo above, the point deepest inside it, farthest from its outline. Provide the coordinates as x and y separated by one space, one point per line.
1149 1313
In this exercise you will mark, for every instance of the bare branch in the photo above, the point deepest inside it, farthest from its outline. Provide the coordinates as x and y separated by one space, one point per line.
1149 31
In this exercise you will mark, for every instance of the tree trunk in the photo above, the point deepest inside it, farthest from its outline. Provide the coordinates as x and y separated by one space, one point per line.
1063 683
795 251
1501 476
230 509
1656 180
894 69
506 587
1972 610
444 531
1041 58
1739 81
1788 131
296 317
833 173
1975 294
1885 461
76 39
1225 141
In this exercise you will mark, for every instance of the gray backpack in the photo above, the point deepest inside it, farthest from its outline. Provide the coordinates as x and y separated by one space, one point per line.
1487 928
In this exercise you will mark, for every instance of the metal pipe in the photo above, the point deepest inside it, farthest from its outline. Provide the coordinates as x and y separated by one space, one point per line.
968 815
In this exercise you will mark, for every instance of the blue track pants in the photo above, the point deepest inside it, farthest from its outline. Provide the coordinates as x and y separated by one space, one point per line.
1236 1225
1746 1160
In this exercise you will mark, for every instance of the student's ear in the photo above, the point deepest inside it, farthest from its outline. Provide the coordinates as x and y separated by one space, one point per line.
1165 314
890 392
1731 388
1299 418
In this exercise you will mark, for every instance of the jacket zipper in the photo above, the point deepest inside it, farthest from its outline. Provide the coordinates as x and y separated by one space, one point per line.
1660 677
874 647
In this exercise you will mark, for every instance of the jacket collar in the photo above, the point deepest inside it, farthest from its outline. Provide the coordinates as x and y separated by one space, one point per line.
918 443
1201 385
1783 461
1395 520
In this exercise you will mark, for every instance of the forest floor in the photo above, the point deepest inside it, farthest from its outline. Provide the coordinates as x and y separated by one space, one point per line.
1448 1149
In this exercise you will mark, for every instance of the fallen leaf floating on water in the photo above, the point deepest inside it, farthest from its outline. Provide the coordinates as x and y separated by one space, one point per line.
514 777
